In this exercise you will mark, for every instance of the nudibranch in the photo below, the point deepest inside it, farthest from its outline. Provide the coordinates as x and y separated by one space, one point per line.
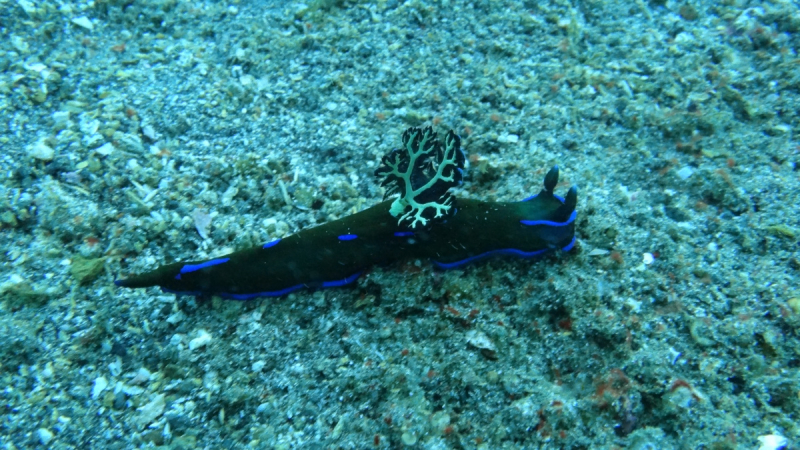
424 221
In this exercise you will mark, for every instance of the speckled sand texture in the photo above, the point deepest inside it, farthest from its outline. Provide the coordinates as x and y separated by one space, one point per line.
135 133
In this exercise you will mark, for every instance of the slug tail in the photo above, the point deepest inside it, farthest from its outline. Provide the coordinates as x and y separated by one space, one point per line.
156 277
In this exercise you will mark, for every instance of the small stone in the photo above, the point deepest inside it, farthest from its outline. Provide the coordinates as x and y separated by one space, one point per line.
41 151
175 318
39 95
129 142
683 396
794 304
276 228
28 7
440 420
151 411
120 400
83 22
203 338
100 385
688 12
228 195
60 119
48 370
779 130
149 132
142 376
8 218
508 138
44 435
186 441
685 173
337 430
155 437
115 367
408 438
20 44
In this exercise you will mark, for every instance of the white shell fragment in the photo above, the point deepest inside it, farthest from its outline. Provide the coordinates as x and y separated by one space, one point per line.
83 22
202 339
202 220
508 138
772 442
105 149
648 258
478 339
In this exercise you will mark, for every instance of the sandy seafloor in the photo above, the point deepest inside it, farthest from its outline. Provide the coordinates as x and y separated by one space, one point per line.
128 125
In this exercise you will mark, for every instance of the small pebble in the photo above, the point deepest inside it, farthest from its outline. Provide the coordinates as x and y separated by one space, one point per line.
115 367
142 376
36 67
149 132
685 173
41 151
120 400
44 435
60 119
508 138
48 370
100 385
794 304
408 438
151 411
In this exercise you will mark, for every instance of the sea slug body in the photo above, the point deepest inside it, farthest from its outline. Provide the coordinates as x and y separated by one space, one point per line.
424 221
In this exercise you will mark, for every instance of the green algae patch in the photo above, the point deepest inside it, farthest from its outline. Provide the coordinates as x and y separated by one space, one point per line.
20 295
86 270
782 231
